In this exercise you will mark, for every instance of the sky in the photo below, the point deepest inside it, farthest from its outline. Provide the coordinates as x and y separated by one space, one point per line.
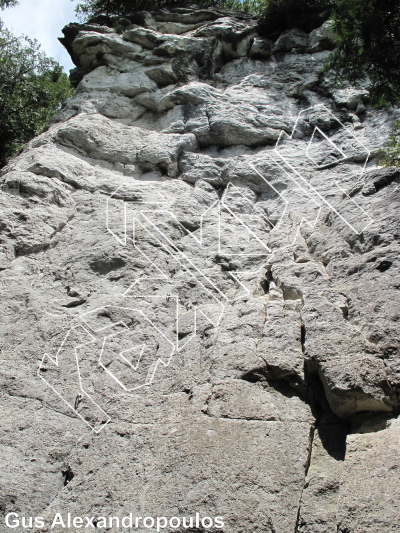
42 20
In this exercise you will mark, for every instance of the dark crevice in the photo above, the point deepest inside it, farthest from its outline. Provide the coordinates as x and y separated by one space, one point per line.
303 338
332 431
189 392
190 226
219 188
104 314
289 386
306 469
224 263
379 178
310 390
384 265
68 475
333 438
105 265
74 303
317 398
311 440
370 422
255 376
266 282
31 250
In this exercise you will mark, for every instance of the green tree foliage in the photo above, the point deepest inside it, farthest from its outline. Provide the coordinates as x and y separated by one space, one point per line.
88 9
7 3
279 15
281 11
390 155
368 46
32 87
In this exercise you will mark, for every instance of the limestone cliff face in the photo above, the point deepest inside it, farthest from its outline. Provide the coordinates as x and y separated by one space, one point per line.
200 287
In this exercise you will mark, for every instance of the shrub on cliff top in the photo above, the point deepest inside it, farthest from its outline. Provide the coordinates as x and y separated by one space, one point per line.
93 8
368 46
7 3
389 156
368 39
284 11
32 87
280 15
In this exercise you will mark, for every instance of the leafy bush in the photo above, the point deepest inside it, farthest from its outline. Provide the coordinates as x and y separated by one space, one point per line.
390 155
296 8
368 39
368 46
279 15
89 9
32 87
7 3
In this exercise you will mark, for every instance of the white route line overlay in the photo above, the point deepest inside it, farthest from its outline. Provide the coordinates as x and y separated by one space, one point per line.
55 362
368 154
171 248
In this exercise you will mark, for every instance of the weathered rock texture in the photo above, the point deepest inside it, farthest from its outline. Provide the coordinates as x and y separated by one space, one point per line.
200 262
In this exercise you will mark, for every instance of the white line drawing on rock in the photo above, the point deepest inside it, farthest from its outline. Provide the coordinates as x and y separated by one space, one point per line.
144 220
304 220
299 173
114 195
78 389
125 328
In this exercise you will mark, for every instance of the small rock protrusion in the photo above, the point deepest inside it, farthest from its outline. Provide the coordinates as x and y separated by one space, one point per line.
261 48
124 22
352 98
290 40
322 38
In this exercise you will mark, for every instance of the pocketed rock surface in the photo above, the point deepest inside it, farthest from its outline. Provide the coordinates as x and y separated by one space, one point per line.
200 286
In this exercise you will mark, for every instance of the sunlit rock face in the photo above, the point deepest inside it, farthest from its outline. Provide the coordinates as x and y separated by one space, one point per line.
200 287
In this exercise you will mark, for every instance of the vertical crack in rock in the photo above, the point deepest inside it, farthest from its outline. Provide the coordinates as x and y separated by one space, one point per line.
303 338
307 466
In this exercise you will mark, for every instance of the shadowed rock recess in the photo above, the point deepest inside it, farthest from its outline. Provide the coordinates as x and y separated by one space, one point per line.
199 276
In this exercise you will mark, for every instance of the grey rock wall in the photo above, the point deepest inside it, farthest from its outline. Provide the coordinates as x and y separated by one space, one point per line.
199 277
